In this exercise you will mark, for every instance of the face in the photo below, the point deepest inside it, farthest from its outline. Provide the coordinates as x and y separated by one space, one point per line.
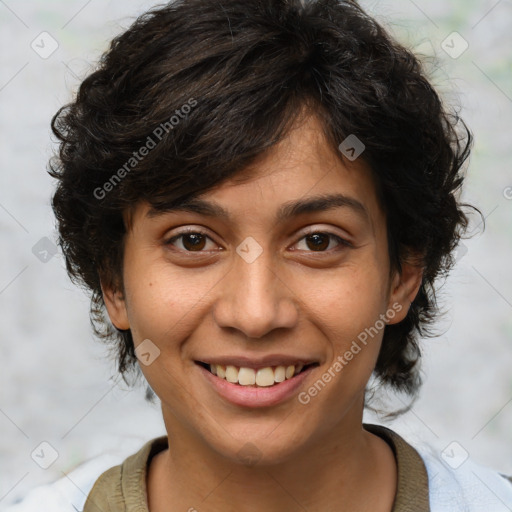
280 280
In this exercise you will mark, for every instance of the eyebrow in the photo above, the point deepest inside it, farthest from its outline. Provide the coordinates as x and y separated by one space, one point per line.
290 209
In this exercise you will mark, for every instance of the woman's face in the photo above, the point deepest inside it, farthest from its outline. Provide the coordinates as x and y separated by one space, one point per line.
288 267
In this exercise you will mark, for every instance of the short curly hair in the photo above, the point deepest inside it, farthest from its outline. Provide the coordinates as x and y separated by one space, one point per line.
207 87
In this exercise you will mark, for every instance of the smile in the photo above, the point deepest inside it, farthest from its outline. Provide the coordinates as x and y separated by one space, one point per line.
249 383
256 377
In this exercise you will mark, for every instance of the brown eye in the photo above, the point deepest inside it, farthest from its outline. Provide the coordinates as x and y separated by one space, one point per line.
321 242
191 241
318 241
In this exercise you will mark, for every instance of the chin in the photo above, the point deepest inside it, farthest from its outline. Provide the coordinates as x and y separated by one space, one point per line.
259 445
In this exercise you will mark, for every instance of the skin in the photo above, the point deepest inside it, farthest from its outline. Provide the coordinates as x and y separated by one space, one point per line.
292 299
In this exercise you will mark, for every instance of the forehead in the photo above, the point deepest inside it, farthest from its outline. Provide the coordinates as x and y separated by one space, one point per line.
300 174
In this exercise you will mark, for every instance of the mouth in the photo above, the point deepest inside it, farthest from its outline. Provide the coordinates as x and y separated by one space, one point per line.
257 377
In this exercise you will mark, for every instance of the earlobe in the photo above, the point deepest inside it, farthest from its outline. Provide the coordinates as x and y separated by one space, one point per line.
116 307
405 287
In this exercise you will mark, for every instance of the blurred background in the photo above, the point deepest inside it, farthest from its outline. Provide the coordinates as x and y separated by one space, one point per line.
58 384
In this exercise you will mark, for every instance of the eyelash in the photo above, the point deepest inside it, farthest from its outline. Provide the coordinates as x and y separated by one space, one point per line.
196 231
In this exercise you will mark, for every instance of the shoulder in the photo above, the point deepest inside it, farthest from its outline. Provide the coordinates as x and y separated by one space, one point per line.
124 484
444 481
457 483
106 492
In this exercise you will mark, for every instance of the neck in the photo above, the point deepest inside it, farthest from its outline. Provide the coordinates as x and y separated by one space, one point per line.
349 466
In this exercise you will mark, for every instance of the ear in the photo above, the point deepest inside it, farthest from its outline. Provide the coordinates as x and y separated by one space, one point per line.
404 288
116 306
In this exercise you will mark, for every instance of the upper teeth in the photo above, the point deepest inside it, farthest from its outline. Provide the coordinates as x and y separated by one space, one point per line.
249 376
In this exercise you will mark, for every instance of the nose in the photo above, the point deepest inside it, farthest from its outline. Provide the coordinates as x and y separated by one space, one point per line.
255 299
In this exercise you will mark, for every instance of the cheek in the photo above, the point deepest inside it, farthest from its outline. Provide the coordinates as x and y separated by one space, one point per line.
349 302
348 313
161 302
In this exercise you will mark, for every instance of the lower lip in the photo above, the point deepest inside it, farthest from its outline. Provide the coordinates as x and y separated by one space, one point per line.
248 396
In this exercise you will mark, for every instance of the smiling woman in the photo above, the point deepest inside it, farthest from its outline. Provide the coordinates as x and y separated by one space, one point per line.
275 247
299 320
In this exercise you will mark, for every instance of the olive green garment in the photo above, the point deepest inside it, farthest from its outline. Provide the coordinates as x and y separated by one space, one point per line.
123 488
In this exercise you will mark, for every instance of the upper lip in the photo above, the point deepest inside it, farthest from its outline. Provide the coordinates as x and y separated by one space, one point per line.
257 362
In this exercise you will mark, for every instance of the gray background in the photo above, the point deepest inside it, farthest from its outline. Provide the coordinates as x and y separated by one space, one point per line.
58 385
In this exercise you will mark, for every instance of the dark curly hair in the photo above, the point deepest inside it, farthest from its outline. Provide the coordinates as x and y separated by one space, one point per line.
210 86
